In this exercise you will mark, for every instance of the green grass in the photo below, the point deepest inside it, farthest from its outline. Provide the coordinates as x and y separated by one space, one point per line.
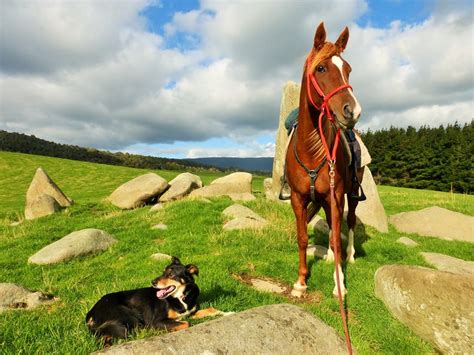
195 235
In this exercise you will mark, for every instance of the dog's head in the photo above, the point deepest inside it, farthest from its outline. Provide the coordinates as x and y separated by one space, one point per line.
174 280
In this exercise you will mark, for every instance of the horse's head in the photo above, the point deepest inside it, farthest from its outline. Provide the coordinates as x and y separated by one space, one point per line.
331 73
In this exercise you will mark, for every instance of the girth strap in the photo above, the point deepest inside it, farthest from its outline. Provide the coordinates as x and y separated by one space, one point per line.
313 174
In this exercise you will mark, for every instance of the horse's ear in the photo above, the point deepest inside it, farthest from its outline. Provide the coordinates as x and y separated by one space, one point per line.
343 38
320 36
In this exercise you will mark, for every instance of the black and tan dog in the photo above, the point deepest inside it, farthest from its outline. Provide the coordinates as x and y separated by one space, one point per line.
173 295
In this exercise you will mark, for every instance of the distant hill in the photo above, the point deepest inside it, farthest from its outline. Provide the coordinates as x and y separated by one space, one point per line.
264 165
22 143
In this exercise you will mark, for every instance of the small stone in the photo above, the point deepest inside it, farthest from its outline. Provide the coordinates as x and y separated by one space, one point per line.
318 251
16 223
242 197
157 207
267 286
244 223
407 241
239 211
161 257
13 296
160 226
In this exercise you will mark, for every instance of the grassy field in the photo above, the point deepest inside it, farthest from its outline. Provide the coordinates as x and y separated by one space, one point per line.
195 235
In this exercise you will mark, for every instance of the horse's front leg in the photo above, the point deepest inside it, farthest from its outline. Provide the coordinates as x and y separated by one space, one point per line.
300 209
337 210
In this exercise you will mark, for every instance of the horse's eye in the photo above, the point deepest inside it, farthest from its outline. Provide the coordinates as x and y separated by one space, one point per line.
321 68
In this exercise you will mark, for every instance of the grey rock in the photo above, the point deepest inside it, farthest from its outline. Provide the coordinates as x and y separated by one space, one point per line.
244 223
75 244
371 211
436 222
239 211
267 187
156 207
235 183
243 196
161 257
436 305
181 186
44 197
13 296
43 205
275 329
267 286
289 101
160 226
407 242
138 191
448 263
317 251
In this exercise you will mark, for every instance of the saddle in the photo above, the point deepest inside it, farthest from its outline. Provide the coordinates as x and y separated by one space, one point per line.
353 147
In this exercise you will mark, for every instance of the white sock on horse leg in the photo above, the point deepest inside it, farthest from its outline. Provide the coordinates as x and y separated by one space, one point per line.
341 283
330 254
350 247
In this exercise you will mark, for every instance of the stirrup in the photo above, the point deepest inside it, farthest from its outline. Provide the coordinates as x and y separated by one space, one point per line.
360 197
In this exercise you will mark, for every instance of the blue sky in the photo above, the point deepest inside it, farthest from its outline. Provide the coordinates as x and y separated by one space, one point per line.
204 78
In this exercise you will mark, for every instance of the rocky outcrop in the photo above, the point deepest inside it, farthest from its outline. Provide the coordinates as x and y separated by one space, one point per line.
436 305
181 186
44 197
436 222
77 243
275 329
371 211
13 296
289 101
139 191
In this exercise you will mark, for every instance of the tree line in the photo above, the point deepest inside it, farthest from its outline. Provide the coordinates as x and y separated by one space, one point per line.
22 143
425 158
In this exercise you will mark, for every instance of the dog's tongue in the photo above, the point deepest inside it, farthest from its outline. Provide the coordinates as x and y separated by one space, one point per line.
161 293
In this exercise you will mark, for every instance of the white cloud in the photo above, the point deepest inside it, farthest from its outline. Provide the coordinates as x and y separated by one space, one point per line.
89 73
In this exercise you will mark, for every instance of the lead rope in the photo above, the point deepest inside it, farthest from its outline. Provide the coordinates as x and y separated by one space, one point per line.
331 159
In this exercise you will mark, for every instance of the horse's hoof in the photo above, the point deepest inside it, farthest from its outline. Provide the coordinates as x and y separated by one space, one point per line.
298 290
350 259
343 292
329 258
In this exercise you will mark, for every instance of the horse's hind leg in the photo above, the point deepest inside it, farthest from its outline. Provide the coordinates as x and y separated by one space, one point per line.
299 208
351 222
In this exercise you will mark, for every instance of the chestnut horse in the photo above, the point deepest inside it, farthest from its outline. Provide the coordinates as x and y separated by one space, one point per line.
327 107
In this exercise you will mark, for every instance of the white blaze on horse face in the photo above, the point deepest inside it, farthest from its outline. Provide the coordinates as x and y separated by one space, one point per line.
337 61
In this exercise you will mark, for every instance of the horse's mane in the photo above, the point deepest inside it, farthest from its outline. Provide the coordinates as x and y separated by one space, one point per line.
315 57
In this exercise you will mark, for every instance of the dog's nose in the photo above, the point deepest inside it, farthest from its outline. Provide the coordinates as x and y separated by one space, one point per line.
348 112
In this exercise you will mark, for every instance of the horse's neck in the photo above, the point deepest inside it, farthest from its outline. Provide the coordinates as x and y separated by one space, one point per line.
309 137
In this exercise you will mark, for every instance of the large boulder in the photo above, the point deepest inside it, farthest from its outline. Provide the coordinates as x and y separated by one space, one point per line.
275 329
41 206
75 244
371 211
448 263
181 186
229 185
289 101
138 191
436 305
13 296
37 205
436 222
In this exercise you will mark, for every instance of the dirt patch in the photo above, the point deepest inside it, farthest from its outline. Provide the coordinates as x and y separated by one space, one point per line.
311 297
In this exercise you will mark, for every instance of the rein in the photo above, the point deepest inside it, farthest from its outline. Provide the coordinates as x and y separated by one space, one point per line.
331 160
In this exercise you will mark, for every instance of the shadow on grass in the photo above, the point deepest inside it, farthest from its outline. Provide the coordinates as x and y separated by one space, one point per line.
215 292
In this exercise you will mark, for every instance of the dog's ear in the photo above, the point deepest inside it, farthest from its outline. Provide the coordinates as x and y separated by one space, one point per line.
175 260
192 269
